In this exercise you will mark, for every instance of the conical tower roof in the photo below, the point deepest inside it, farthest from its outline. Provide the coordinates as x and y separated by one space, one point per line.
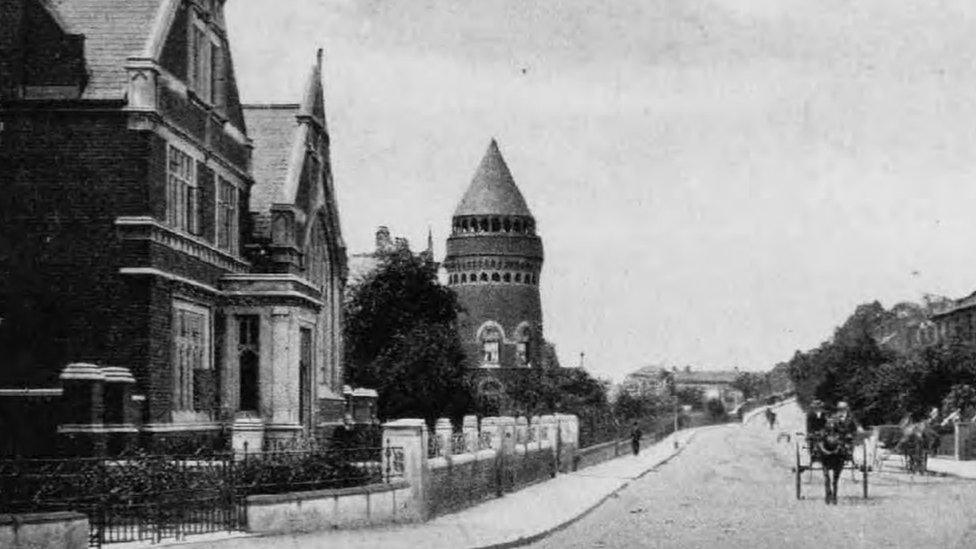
492 190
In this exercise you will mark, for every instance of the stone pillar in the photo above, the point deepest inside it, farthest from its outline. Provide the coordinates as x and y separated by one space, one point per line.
443 432
547 431
506 428
521 430
568 441
247 436
83 410
535 432
119 411
470 428
490 426
405 458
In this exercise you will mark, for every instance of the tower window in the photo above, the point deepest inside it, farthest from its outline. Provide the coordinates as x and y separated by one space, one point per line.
484 224
507 277
518 277
495 277
517 226
496 225
464 278
507 225
464 225
490 336
484 277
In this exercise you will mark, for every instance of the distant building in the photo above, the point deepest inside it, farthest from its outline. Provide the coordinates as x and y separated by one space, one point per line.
654 380
715 385
363 263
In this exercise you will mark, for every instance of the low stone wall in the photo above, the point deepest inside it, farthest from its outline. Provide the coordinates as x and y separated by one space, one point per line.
323 509
44 530
598 453
461 481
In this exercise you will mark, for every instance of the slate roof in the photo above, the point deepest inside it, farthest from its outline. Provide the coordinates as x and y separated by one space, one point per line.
114 31
493 190
272 129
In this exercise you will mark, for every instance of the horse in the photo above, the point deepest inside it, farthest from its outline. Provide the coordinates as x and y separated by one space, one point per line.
918 439
833 452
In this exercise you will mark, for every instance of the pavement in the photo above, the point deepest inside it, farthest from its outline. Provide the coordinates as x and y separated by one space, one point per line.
515 519
952 467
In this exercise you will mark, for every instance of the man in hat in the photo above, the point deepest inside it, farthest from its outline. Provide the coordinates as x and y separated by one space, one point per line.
845 423
816 418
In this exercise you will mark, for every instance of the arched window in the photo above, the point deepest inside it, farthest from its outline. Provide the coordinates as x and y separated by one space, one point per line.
507 277
464 225
507 224
518 277
495 277
484 277
517 226
490 335
464 278
496 225
483 224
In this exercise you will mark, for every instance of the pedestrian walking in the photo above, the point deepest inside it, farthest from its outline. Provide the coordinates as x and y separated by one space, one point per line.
635 438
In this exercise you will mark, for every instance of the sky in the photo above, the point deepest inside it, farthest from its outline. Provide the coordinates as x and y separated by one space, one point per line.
717 182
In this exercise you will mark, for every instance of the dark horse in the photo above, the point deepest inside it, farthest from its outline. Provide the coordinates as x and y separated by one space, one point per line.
833 451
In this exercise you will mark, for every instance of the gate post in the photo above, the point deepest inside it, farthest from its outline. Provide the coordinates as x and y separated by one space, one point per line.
405 452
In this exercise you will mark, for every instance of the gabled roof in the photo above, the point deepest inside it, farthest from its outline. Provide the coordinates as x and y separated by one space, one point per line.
273 130
114 31
493 190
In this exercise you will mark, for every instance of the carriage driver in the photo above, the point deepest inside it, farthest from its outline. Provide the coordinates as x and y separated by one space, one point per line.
845 423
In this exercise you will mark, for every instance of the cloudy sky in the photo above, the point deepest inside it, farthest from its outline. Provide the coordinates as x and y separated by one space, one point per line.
717 182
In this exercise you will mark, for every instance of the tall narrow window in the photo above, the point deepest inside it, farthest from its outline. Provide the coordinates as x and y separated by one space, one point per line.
216 74
227 215
491 337
182 198
249 358
191 352
200 60
304 376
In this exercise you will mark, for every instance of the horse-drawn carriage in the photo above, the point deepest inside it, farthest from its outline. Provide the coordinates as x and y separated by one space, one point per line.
830 450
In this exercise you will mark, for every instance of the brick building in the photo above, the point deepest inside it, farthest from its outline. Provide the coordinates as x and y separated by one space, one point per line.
493 262
171 265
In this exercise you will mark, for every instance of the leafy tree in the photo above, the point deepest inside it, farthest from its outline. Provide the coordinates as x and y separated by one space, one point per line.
692 396
715 409
961 397
752 384
401 338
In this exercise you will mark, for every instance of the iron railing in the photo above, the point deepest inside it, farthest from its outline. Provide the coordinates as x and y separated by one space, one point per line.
150 497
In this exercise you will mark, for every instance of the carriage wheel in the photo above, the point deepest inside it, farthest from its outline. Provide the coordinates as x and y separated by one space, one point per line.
864 470
799 473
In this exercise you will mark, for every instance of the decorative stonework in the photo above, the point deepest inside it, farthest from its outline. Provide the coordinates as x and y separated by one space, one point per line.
148 228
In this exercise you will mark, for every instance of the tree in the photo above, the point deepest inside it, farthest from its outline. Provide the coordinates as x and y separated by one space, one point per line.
961 397
691 396
401 338
751 384
715 409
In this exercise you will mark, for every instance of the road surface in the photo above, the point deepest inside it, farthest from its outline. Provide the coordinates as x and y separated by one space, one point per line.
733 487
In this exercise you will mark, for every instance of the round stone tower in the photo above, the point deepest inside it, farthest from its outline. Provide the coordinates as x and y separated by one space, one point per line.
494 258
